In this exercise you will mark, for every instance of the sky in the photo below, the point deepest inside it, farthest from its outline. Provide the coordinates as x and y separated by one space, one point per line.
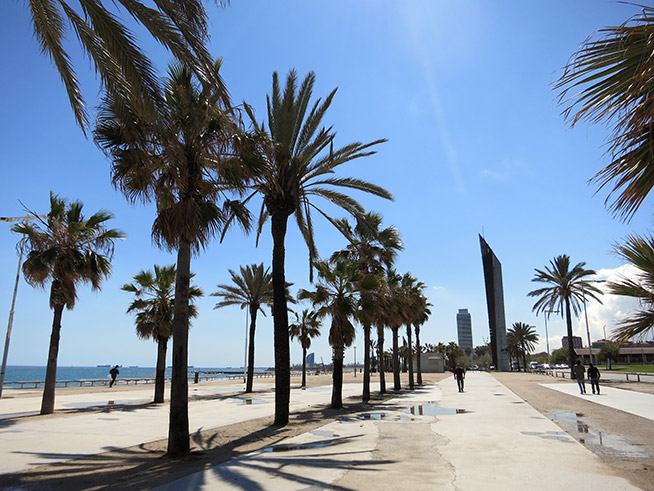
477 144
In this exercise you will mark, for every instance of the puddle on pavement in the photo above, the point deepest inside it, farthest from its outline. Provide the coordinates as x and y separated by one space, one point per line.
433 409
372 416
248 402
325 433
289 448
599 441
82 405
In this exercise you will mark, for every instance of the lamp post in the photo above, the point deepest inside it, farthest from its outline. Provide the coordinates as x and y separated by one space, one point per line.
13 297
583 294
547 337
355 361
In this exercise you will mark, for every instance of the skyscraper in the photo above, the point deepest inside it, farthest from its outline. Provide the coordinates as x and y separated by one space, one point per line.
464 329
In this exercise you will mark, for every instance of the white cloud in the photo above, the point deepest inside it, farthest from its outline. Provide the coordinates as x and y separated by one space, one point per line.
612 310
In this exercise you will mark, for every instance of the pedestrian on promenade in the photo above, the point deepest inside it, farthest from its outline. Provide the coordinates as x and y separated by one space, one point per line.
594 376
114 373
459 375
580 372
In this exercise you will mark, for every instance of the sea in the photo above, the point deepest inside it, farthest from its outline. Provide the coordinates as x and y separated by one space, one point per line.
16 373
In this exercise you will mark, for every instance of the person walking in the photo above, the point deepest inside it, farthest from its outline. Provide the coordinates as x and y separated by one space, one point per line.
594 376
114 373
459 375
580 372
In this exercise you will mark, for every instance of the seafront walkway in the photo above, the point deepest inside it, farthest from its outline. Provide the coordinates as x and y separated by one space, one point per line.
432 438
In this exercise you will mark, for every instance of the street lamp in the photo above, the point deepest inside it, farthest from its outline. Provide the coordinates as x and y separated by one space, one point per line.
547 337
583 293
13 298
355 361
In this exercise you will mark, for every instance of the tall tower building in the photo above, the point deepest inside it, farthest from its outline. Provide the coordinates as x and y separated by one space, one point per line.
464 328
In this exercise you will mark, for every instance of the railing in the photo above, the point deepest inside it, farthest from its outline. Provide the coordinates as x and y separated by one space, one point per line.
195 376
635 376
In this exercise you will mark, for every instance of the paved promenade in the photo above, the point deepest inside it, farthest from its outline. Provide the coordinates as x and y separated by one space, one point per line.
434 438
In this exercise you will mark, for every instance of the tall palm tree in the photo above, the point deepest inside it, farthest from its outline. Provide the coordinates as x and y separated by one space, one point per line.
393 317
566 294
66 249
125 70
336 296
179 161
297 161
304 329
421 317
524 336
153 306
639 251
412 302
374 249
251 289
608 81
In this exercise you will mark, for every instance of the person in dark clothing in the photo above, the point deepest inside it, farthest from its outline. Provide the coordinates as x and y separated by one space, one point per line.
594 376
459 375
580 373
114 373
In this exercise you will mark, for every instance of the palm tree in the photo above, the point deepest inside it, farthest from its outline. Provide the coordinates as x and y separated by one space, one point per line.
374 250
393 315
297 162
413 301
153 306
253 287
568 291
524 336
66 249
336 296
179 161
610 77
305 328
421 315
124 69
639 251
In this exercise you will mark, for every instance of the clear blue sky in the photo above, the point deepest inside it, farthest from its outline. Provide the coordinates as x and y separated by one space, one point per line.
477 143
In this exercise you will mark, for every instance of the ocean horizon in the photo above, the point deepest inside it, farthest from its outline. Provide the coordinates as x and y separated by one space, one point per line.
35 373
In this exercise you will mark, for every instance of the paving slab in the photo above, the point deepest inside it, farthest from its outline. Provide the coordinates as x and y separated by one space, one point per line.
637 403
435 438
26 443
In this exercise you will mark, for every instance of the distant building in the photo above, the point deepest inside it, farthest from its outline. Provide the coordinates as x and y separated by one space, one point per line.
311 360
430 362
576 342
464 329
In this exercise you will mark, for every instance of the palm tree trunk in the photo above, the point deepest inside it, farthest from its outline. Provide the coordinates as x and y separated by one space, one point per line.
280 318
410 355
253 325
160 377
48 400
178 431
304 366
419 368
571 349
366 362
337 378
380 360
396 360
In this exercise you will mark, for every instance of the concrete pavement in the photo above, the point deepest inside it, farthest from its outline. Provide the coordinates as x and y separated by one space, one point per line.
433 438
625 400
